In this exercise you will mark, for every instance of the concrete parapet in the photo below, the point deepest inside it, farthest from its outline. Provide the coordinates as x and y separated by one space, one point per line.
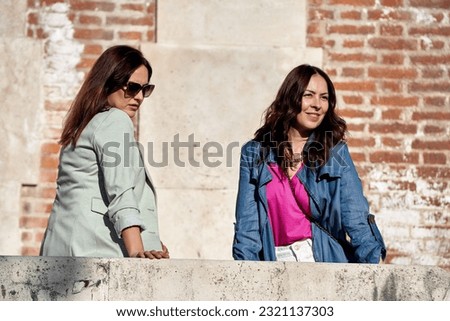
100 279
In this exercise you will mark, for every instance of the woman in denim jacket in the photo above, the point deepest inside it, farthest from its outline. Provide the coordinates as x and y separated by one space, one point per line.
300 197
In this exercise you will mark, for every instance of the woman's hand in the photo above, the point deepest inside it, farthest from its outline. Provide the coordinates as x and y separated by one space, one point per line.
165 251
153 254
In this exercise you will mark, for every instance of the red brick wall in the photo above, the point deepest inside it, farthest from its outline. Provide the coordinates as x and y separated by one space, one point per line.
391 64
96 25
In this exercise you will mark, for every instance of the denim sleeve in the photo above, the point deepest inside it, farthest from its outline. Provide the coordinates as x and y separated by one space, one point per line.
247 240
355 213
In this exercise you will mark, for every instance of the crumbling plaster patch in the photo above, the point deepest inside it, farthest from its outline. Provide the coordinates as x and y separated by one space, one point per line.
62 53
384 181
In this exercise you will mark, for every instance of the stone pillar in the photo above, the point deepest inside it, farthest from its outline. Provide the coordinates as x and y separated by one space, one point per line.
21 119
217 66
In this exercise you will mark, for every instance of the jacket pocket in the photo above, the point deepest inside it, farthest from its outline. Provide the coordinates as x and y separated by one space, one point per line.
98 206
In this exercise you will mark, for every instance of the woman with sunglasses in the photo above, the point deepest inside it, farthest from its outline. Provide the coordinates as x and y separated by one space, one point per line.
299 196
105 203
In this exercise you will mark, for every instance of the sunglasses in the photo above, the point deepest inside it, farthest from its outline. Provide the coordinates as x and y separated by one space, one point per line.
132 89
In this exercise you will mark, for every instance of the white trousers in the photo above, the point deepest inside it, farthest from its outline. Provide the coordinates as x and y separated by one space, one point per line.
300 251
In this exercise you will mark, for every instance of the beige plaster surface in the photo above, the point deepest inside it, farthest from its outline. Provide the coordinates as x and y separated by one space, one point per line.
20 129
10 243
22 108
12 18
232 22
20 120
197 223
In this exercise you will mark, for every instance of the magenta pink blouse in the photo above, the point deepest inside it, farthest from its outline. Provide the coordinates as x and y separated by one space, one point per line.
286 215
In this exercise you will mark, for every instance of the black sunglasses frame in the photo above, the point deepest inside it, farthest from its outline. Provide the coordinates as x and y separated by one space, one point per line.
131 89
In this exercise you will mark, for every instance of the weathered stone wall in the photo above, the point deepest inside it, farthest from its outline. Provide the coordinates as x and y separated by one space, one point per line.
95 279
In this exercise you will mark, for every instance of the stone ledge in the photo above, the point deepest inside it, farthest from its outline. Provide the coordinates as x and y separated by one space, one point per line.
99 279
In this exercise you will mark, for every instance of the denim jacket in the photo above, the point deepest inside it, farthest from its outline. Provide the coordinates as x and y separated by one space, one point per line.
337 205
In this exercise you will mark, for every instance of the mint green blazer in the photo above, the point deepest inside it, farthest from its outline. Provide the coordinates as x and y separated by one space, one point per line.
102 188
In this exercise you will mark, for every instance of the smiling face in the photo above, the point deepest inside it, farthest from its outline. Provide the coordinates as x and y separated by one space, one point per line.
314 106
130 105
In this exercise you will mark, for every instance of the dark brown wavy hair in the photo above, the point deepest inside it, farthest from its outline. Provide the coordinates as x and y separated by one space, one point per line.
111 71
281 115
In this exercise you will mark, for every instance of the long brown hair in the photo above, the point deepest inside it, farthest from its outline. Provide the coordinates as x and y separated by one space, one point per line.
281 115
111 71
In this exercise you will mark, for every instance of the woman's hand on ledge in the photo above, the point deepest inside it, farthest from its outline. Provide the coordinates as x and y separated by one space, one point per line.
153 254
